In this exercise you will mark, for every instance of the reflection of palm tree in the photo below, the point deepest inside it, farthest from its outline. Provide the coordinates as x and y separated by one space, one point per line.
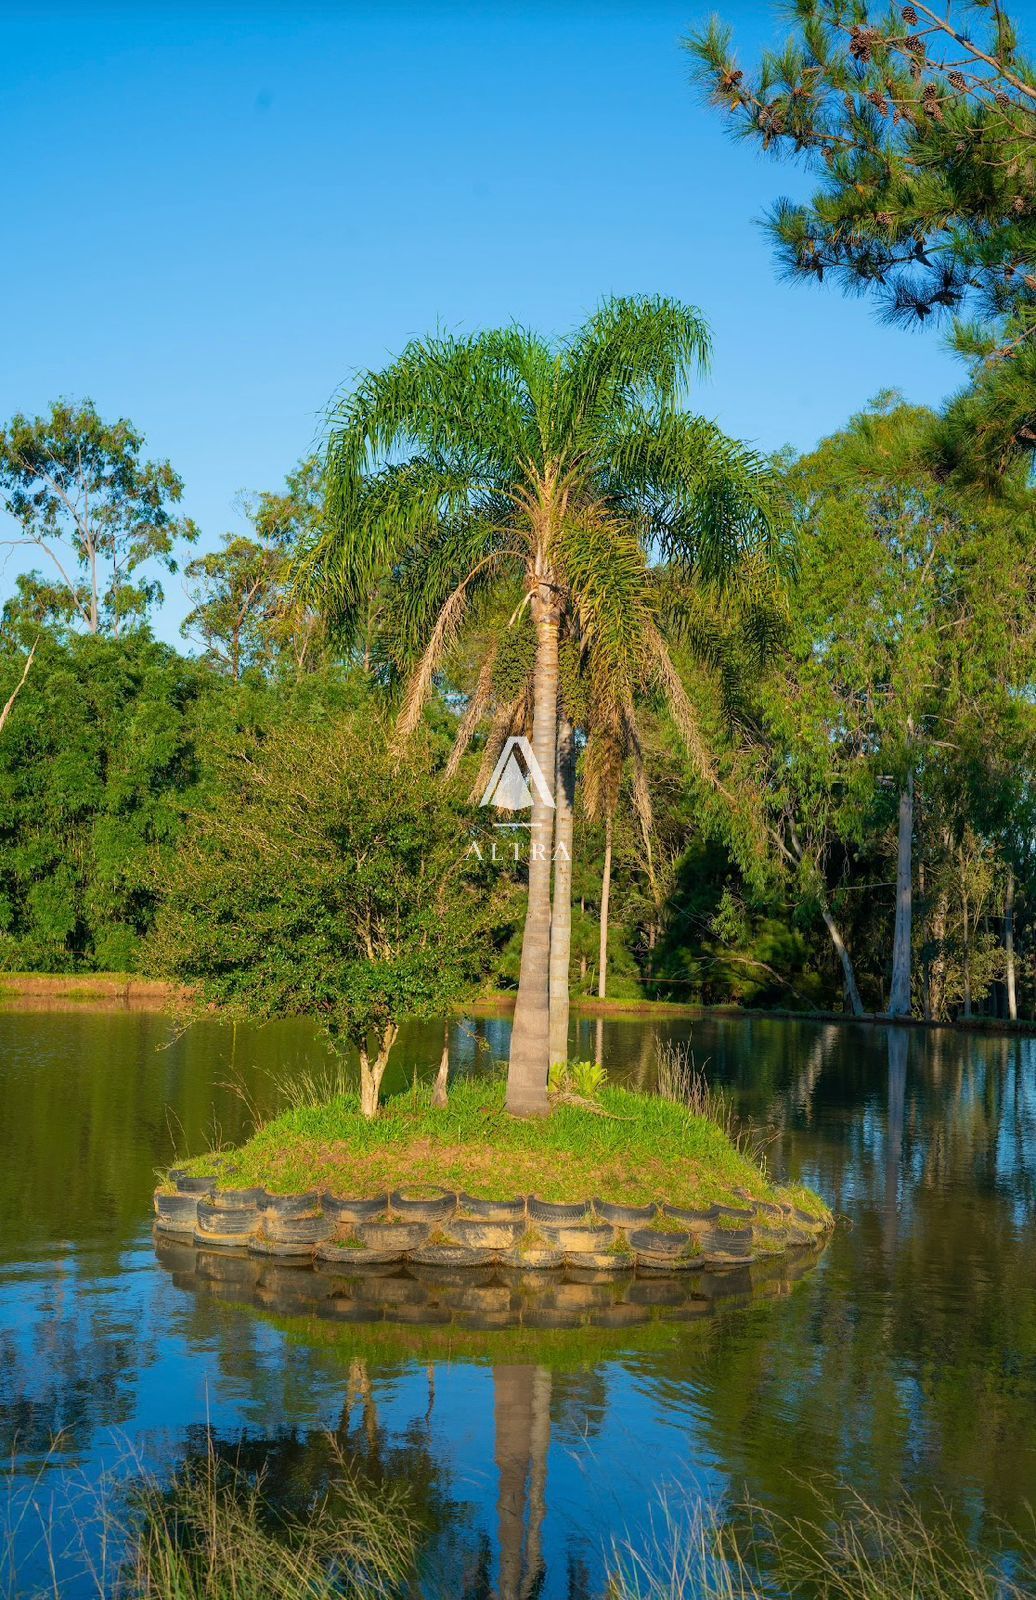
538 1480
522 1408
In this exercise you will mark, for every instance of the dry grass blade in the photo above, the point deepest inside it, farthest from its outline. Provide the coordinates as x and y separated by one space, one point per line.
680 1080
849 1550
316 1086
215 1533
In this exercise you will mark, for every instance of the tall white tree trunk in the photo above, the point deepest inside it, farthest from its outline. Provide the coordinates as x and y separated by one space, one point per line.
899 992
1012 992
19 686
561 912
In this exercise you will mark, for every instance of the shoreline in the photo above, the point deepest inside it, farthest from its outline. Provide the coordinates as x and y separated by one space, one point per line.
634 1009
142 993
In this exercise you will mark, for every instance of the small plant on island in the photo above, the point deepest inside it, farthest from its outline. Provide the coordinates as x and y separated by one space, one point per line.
584 1079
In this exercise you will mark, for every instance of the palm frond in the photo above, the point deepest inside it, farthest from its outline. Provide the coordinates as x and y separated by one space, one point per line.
474 711
711 505
444 633
683 712
636 350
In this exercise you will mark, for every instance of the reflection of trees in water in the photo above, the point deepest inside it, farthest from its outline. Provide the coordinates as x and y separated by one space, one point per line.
69 1372
897 1043
299 1467
911 1359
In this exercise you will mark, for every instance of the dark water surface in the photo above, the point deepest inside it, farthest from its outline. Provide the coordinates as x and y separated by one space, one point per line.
906 1357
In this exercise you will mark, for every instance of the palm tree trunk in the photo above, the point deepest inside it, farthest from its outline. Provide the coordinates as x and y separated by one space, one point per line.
899 992
606 889
530 1035
561 913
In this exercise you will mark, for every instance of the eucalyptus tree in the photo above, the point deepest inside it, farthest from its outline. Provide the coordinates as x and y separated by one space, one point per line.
80 495
561 468
907 673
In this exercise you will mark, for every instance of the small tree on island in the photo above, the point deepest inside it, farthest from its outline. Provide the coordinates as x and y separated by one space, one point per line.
332 881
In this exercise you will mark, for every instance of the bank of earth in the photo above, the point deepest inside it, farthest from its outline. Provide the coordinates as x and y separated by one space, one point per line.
635 1171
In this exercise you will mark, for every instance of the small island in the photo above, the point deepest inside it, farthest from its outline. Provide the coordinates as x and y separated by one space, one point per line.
621 1182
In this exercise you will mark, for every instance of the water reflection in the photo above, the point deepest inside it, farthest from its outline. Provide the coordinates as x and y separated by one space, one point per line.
908 1358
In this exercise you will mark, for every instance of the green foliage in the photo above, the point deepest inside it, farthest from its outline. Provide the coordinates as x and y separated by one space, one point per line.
99 765
244 611
83 497
470 465
583 1078
921 125
328 879
235 593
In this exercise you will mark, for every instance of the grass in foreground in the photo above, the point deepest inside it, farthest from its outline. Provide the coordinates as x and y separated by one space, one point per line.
851 1550
633 1148
217 1532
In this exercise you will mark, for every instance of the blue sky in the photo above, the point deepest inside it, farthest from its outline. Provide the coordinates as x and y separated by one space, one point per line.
213 216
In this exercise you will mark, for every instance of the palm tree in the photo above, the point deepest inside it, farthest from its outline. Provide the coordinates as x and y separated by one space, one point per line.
566 469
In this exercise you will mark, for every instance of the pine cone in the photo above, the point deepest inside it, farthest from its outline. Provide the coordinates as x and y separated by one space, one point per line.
876 98
915 44
885 218
910 16
861 42
1003 100
958 80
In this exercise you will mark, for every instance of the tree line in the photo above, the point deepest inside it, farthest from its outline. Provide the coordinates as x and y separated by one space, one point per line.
784 705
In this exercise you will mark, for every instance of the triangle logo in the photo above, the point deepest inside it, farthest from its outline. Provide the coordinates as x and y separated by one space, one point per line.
517 778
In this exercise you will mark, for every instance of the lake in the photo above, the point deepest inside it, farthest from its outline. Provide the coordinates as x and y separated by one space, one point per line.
905 1357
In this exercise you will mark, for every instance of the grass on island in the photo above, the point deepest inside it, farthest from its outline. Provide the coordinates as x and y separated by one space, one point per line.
632 1148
